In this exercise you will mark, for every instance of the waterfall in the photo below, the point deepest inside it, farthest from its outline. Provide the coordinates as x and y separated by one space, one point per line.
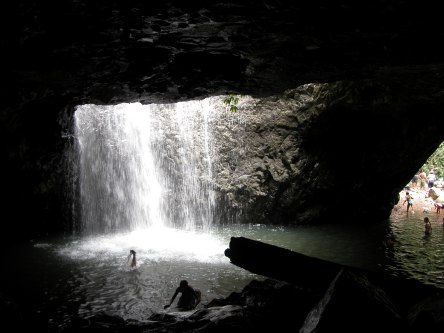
144 166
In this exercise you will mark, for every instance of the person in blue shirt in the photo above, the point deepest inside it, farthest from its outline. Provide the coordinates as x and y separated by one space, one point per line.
409 200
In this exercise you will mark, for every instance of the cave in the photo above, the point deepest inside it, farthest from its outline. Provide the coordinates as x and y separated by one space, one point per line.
360 87
378 67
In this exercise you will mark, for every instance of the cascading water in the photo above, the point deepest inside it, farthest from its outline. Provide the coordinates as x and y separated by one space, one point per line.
144 177
146 165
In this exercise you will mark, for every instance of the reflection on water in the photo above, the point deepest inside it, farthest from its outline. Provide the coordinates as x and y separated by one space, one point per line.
412 254
60 279
164 257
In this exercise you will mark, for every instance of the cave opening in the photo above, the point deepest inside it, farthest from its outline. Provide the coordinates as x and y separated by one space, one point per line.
425 187
129 205
431 173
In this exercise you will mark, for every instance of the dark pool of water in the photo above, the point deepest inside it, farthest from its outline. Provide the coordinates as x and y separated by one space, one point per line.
55 281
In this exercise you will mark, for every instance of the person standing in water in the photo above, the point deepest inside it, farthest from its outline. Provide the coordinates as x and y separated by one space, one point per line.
133 261
189 299
427 226
409 200
431 179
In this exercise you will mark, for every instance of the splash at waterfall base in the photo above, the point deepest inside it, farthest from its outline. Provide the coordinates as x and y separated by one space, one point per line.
136 162
321 297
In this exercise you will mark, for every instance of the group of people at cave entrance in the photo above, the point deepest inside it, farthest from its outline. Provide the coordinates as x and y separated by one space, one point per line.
427 225
423 180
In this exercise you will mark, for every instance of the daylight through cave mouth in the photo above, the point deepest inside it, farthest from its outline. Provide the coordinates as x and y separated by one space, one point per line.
144 166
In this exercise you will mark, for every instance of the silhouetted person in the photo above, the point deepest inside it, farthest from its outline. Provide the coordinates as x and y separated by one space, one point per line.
133 261
188 300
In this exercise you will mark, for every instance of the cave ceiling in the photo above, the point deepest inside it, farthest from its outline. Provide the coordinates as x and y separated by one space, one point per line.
113 51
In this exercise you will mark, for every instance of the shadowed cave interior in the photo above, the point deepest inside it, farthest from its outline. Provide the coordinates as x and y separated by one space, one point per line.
346 98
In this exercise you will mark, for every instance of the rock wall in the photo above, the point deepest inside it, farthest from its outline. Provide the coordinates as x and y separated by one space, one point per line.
320 149
369 122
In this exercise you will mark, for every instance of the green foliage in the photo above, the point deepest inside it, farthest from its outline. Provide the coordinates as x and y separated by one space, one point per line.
435 162
232 102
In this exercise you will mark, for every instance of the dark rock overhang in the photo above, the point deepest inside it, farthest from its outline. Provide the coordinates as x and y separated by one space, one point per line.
58 54
111 51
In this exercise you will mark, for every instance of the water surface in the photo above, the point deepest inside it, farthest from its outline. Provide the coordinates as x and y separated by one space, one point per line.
411 253
56 281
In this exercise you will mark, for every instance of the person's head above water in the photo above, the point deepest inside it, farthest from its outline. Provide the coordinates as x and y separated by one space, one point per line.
132 252
183 283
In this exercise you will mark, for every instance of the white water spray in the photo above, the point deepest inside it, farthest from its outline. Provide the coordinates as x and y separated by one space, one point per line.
146 166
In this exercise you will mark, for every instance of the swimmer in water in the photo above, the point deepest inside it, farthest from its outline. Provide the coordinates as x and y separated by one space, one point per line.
133 261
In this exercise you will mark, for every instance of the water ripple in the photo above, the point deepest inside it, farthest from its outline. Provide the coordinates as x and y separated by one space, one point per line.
414 254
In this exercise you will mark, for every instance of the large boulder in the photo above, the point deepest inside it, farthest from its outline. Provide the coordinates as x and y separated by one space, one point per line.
436 194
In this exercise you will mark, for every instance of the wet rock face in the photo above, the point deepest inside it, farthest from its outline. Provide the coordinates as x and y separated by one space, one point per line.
379 112
320 148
